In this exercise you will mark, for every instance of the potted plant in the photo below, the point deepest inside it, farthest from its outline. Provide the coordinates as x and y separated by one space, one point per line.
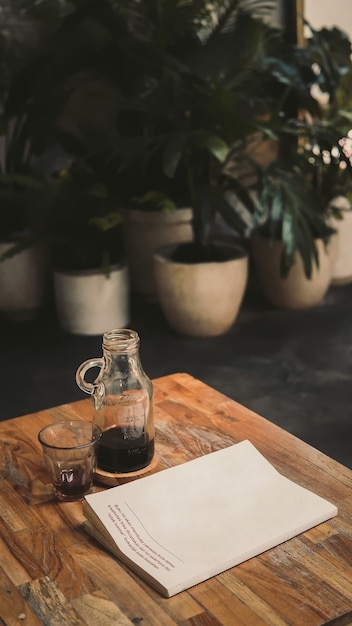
24 196
23 253
90 276
196 107
299 196
23 193
66 97
293 242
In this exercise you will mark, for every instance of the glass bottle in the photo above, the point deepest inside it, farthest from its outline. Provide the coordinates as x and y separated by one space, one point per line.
122 396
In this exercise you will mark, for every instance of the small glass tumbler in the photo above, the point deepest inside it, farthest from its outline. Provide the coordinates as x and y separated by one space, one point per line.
70 455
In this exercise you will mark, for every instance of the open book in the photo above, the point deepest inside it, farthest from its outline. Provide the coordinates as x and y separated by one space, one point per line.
187 523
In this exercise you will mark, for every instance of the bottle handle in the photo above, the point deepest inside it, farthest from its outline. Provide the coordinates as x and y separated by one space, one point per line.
90 388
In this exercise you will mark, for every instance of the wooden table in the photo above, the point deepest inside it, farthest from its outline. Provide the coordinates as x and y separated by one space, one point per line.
52 572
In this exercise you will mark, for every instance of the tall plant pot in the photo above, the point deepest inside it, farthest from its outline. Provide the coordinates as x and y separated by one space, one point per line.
23 282
296 291
145 232
342 270
201 299
90 303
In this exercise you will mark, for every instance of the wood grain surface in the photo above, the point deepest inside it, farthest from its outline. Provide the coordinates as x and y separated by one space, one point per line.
52 572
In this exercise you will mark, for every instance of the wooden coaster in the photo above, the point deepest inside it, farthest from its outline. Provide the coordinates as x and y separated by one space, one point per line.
110 479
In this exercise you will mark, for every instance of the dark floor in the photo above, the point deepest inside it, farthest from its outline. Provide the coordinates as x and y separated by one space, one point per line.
294 368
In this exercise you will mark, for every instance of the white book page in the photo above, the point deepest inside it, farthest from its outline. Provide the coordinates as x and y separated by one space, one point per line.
187 523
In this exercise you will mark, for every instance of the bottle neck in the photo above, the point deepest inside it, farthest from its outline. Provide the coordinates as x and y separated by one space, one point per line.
122 361
121 352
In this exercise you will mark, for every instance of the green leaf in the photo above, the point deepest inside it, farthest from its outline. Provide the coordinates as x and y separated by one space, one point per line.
22 180
347 115
237 210
307 261
276 207
289 243
288 234
156 199
107 222
15 249
307 245
217 147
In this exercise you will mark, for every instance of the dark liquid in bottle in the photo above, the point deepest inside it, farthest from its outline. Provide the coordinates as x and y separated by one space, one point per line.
118 453
71 484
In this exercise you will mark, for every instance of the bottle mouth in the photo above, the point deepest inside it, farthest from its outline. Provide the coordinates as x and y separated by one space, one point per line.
121 339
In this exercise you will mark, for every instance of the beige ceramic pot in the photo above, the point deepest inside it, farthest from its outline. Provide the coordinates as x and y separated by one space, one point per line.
89 303
201 299
296 291
23 282
145 232
342 271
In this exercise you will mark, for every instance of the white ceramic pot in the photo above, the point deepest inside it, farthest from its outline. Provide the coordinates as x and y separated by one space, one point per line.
296 291
201 299
145 232
23 280
89 303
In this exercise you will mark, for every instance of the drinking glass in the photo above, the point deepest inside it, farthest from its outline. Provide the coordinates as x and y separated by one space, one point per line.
70 455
